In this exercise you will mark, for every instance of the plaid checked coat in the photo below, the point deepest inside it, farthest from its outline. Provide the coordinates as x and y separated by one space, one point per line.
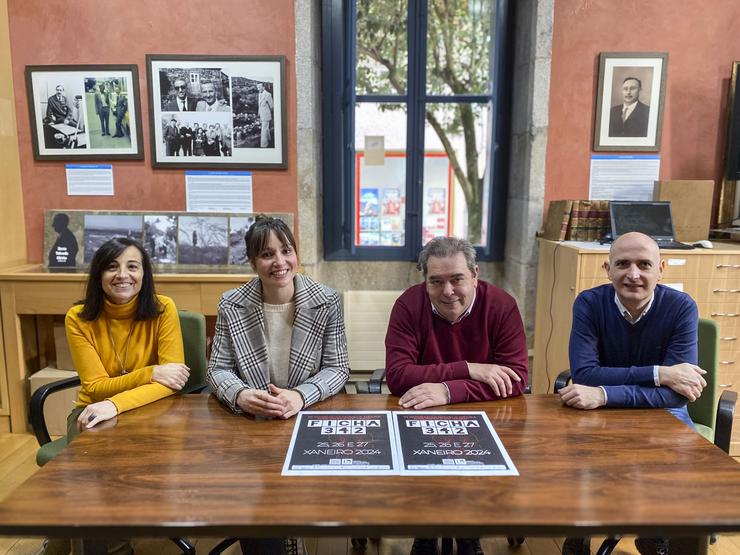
319 364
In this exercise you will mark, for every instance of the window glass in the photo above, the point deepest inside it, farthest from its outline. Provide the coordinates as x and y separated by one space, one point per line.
459 131
438 187
381 47
380 174
416 74
458 47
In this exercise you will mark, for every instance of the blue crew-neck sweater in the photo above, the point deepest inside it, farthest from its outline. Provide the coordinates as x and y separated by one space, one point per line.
606 350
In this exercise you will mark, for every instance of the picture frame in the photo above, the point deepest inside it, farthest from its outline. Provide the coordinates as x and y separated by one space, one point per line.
239 100
73 118
630 99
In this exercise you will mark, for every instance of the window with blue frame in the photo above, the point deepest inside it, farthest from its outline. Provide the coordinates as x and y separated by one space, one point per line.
415 126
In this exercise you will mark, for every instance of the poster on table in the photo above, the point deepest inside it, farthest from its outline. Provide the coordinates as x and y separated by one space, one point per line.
456 443
345 443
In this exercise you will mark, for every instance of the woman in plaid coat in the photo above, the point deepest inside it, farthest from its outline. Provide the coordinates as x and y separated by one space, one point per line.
280 343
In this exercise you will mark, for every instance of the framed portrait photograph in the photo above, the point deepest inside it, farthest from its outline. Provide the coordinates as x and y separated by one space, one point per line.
733 127
629 104
85 112
217 111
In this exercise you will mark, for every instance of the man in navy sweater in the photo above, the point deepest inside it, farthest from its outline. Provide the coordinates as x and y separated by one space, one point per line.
453 339
633 344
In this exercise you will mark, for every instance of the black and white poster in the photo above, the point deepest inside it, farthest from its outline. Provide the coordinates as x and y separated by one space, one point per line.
346 443
457 443
217 111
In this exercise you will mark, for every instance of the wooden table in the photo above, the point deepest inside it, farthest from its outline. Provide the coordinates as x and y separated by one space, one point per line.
185 466
31 290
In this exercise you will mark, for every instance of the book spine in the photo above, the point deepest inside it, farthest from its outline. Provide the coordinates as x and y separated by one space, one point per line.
567 207
573 226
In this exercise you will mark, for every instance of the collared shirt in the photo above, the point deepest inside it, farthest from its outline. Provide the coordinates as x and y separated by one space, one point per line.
183 104
627 316
627 109
463 315
626 313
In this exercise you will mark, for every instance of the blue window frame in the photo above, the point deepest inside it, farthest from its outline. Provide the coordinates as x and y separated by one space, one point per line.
350 212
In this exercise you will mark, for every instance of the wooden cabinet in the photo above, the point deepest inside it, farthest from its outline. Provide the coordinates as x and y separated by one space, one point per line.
710 276
30 290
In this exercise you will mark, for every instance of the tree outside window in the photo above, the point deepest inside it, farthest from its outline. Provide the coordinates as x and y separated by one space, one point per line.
423 73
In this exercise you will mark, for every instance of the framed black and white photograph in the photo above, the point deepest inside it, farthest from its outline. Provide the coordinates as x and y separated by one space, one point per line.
217 111
85 112
629 104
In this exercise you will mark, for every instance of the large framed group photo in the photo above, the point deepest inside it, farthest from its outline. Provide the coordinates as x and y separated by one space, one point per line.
629 105
85 112
217 111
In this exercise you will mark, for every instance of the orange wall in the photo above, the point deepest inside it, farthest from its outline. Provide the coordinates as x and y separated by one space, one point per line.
701 40
13 252
108 32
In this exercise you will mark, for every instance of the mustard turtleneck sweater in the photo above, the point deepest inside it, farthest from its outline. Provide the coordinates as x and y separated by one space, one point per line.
152 342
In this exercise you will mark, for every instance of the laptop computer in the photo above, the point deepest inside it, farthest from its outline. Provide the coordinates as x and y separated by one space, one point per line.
653 218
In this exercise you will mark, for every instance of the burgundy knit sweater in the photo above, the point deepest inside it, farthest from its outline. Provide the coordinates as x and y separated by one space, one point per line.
422 347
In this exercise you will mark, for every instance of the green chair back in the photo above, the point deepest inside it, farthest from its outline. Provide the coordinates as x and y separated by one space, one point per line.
193 326
50 450
703 411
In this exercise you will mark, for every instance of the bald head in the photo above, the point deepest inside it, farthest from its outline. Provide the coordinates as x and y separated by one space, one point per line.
634 268
634 240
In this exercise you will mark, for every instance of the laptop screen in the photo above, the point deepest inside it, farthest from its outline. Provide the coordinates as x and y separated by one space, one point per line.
651 218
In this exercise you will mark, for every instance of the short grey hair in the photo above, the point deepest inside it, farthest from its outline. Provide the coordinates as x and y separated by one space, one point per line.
445 247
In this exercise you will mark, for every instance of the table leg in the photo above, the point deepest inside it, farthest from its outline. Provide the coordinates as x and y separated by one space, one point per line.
690 546
86 546
702 545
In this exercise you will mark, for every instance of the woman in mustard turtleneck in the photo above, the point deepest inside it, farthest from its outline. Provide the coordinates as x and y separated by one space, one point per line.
125 339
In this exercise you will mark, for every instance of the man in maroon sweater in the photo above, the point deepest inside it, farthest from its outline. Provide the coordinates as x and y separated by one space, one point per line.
453 339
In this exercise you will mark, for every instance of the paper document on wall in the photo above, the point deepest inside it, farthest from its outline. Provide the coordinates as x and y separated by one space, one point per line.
218 191
623 176
89 179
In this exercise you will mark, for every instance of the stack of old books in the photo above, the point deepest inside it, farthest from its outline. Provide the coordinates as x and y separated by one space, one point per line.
577 220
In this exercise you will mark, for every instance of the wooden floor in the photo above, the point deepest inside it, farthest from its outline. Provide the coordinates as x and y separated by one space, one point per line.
17 463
